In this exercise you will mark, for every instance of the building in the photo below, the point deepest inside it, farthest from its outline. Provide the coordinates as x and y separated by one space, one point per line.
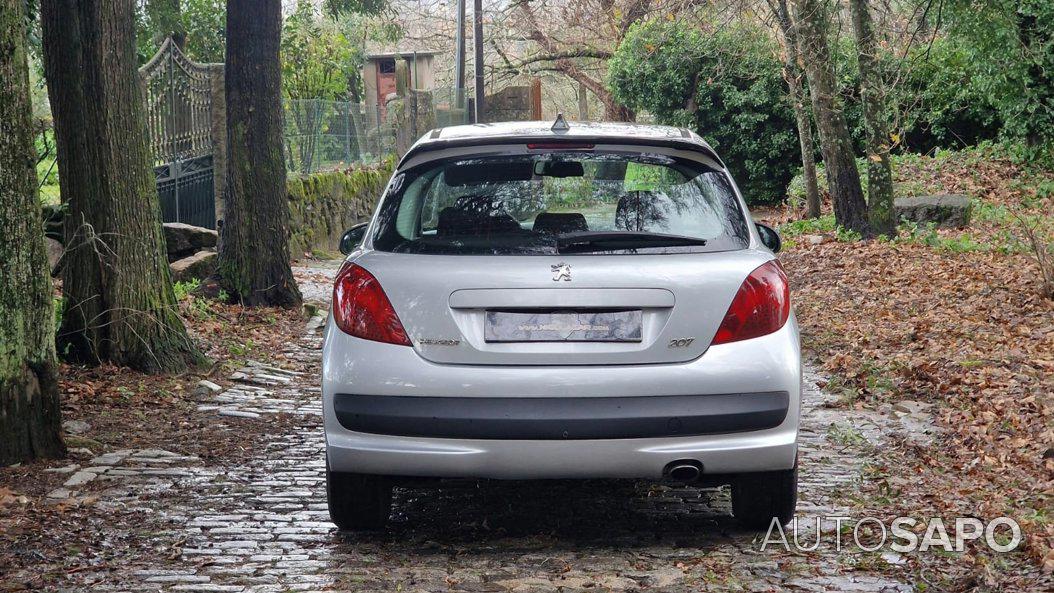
378 74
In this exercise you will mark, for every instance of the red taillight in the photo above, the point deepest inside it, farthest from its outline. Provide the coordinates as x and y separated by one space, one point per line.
361 309
761 306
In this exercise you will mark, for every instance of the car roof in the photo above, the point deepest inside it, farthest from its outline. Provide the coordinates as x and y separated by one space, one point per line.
516 132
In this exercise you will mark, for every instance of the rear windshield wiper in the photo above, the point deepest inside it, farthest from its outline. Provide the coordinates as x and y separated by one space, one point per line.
619 240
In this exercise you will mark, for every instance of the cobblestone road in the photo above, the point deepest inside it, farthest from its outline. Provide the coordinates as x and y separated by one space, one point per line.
263 525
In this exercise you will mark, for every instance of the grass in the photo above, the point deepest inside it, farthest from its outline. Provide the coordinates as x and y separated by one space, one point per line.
47 168
183 290
814 226
808 226
1005 242
846 435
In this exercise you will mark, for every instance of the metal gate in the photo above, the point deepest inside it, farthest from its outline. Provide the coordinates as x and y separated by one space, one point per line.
178 94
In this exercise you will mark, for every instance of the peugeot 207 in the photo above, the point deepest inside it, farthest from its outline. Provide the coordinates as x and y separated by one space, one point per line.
569 301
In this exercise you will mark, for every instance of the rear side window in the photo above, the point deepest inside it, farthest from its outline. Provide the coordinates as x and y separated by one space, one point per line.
561 203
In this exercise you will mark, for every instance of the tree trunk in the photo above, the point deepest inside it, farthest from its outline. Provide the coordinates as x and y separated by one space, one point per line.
119 305
843 180
29 398
876 122
254 260
792 72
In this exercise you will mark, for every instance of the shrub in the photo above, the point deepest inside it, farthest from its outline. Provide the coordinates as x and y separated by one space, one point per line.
1010 46
725 84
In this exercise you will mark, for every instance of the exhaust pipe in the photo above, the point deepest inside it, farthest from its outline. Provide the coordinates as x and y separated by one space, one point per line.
683 470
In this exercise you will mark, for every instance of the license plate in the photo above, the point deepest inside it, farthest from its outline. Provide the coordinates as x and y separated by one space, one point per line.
563 326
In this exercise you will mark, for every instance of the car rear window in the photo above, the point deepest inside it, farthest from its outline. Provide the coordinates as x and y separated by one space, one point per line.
561 202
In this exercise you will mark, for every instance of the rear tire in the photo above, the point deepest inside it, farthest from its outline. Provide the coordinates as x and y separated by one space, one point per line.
758 497
358 502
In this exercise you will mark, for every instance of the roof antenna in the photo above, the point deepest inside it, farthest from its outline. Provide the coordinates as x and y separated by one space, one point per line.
560 125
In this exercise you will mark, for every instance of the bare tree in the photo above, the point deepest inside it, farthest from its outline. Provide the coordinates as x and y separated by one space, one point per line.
792 72
843 179
575 39
876 121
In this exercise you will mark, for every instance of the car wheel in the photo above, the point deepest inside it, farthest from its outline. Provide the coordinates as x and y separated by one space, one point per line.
758 497
358 502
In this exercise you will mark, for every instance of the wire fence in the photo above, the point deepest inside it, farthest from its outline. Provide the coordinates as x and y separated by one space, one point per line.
324 135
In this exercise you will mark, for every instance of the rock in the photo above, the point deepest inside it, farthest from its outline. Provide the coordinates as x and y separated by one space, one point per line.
911 407
816 239
80 478
60 493
55 251
198 266
67 469
109 459
74 442
54 215
238 414
185 239
76 451
947 210
76 426
205 388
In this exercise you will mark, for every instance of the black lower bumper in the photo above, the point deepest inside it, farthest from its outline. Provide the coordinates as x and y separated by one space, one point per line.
557 418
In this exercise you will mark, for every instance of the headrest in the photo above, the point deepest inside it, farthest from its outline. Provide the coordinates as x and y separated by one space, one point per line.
560 222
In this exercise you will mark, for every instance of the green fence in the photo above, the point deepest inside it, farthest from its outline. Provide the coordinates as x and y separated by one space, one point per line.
327 135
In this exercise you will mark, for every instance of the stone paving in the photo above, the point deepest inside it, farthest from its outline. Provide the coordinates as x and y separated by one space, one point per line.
263 526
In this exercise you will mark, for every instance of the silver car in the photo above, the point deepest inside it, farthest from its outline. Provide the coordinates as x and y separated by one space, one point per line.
567 301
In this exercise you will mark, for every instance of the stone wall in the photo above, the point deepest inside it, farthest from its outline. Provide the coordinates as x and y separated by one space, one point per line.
511 103
324 205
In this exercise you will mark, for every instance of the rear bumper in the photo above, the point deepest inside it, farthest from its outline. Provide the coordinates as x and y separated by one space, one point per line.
487 428
560 418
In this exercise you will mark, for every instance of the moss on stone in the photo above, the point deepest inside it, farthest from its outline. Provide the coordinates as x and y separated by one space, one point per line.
322 206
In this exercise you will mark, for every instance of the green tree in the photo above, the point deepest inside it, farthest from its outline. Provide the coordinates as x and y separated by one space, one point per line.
1011 46
200 23
166 20
726 83
319 66
29 397
318 61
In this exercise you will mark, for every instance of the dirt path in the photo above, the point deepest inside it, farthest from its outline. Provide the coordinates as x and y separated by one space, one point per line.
262 525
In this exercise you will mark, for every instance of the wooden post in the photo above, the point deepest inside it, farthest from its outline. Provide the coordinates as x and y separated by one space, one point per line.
536 99
218 123
459 57
477 42
402 77
583 103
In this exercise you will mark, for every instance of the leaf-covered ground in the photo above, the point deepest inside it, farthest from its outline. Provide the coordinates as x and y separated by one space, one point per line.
953 318
129 410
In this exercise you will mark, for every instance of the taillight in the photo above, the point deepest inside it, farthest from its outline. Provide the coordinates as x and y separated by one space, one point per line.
761 306
559 146
361 309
